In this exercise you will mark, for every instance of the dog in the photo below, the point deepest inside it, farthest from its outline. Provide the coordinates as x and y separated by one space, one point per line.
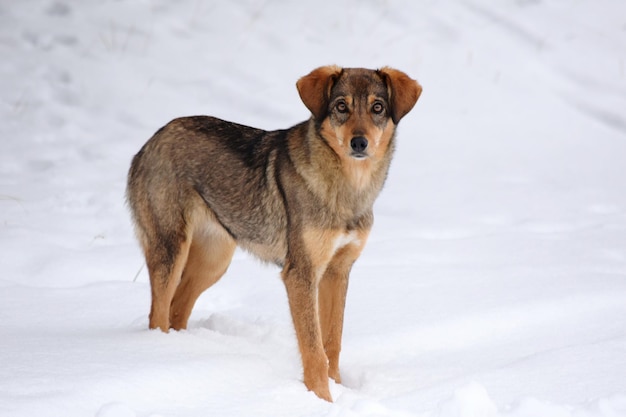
300 198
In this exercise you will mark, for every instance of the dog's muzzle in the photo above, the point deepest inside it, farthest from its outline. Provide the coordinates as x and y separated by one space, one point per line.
359 147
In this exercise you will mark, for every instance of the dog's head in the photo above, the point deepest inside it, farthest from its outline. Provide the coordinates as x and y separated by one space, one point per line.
357 109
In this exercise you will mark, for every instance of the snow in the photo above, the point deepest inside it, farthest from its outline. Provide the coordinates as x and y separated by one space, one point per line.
494 281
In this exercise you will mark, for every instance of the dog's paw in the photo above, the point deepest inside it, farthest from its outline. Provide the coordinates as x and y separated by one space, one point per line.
319 385
323 393
334 374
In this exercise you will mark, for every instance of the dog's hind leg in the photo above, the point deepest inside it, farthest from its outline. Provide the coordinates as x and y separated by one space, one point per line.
210 254
165 266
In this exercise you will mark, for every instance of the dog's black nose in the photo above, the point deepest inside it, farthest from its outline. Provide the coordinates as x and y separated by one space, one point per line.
358 144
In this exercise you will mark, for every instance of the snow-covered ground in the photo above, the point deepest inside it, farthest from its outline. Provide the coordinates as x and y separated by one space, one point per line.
494 282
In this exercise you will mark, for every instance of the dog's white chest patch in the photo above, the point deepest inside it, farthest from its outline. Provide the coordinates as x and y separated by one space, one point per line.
345 239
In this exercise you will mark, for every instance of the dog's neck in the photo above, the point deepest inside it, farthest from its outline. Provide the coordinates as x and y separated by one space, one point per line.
351 185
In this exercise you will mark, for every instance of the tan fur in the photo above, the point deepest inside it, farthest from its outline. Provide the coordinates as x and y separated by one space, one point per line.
300 198
210 254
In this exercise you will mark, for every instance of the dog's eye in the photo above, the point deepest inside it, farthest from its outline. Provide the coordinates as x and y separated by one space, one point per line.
378 108
342 107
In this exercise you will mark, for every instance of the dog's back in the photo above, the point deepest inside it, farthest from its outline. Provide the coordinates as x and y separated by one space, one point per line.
204 164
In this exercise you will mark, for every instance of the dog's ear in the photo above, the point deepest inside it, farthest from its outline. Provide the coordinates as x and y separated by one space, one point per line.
314 89
403 92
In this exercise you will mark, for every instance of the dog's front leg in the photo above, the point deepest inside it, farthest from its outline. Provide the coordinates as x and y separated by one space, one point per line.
332 300
301 283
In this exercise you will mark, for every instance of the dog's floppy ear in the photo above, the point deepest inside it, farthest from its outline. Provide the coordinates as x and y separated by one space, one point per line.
403 92
314 89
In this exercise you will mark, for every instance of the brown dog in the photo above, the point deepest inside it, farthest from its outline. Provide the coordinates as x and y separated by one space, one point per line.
300 198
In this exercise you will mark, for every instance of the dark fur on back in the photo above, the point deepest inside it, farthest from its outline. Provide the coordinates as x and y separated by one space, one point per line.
231 175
